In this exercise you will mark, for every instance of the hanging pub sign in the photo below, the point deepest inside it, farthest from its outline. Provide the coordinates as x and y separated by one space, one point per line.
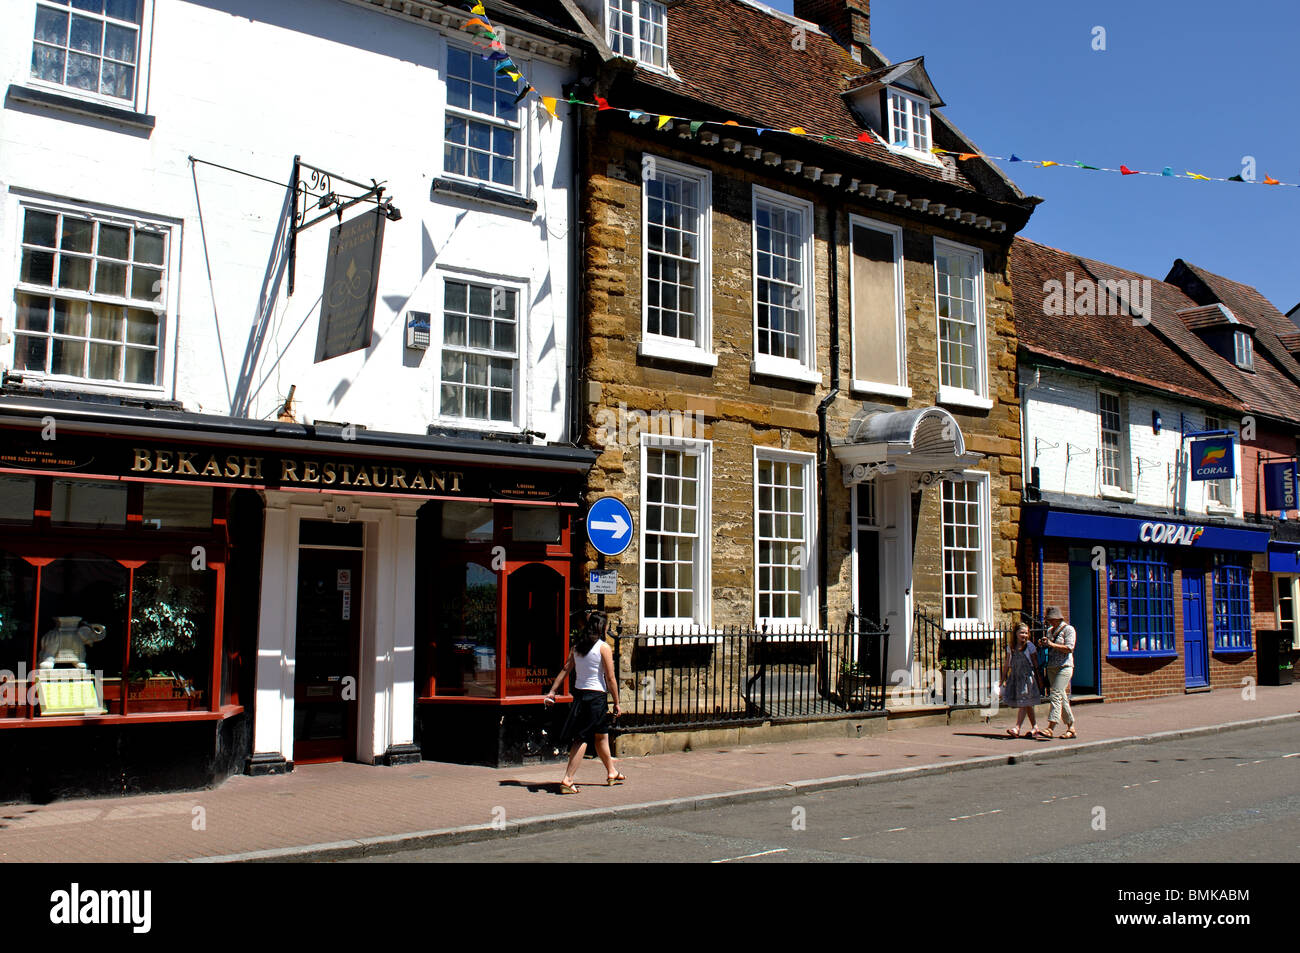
1212 459
347 306
1280 486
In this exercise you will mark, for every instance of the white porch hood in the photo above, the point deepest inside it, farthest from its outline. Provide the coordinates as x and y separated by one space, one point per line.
925 443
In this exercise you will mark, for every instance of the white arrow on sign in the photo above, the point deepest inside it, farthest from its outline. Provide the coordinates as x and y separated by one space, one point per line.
618 527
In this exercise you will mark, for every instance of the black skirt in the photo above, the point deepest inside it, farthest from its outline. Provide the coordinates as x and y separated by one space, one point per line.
588 717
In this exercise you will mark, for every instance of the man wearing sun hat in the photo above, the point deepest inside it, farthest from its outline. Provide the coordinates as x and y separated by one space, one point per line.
1059 642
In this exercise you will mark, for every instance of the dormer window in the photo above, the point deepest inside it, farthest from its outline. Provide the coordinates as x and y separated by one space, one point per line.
894 101
638 29
1243 351
909 122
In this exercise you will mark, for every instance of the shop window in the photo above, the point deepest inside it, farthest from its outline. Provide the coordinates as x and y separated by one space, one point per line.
1287 587
469 522
17 499
139 611
89 589
465 656
171 636
1140 594
177 507
534 629
100 505
17 606
1232 628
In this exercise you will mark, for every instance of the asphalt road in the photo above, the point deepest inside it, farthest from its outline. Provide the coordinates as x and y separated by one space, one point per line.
1231 797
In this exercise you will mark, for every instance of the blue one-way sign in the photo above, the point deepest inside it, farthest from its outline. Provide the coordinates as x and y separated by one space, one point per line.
609 526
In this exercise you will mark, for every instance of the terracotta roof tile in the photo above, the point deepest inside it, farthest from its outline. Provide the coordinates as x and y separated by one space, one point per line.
1105 343
739 60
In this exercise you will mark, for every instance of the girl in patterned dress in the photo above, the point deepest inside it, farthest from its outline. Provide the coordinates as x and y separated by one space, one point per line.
1020 681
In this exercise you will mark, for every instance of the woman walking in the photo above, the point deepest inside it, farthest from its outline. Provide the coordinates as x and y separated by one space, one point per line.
1020 681
1059 642
592 662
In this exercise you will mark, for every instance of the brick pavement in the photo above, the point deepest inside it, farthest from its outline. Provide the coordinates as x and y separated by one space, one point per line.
339 802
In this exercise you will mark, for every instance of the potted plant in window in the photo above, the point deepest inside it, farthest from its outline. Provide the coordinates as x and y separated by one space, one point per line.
166 620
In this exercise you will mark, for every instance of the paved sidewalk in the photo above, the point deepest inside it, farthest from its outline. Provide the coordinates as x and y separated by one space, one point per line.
323 811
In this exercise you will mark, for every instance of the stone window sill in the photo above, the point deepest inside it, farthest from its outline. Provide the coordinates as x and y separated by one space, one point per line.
45 99
482 193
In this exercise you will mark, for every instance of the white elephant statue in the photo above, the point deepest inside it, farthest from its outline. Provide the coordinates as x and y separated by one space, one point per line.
66 643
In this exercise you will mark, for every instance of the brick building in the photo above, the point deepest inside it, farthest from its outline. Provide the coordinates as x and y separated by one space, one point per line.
800 361
1122 378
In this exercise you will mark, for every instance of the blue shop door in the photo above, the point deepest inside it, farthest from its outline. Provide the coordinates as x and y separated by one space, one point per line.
1194 658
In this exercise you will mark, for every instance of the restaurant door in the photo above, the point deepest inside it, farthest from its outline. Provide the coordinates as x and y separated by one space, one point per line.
326 656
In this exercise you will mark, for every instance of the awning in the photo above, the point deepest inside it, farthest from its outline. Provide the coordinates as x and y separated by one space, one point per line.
926 441
1043 521
1283 557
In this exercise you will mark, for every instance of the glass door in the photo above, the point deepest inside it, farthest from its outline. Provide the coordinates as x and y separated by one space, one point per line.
326 655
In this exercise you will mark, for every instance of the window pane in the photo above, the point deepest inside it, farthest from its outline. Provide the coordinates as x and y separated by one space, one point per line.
17 505
104 361
83 72
171 635
78 234
70 317
37 267
118 80
106 322
177 507
97 505
86 35
47 63
74 273
141 327
67 357
146 283
141 367
110 279
119 43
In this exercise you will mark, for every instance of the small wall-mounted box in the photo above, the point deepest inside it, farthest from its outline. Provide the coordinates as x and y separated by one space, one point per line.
417 329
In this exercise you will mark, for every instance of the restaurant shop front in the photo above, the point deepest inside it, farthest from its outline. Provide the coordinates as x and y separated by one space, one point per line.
184 596
1161 605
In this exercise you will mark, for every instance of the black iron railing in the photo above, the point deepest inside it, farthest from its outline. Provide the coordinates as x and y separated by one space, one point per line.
678 678
958 665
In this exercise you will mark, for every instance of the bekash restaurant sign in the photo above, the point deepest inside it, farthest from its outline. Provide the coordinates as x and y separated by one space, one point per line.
102 456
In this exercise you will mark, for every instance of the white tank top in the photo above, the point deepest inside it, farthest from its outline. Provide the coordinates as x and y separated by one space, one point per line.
590 669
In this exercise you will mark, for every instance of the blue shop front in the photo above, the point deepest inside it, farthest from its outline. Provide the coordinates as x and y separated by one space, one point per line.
1162 604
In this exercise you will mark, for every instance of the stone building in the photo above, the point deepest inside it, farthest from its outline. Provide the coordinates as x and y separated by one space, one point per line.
800 352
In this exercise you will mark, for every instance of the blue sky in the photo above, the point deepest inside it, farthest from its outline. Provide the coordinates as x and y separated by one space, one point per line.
1193 85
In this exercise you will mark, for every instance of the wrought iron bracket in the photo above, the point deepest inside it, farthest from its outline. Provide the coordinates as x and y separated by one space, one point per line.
314 186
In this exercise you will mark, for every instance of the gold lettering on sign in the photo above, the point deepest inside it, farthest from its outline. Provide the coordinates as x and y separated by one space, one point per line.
399 478
288 471
252 468
183 465
143 461
162 461
437 481
363 479
212 468
375 471
418 482
455 481
309 473
232 466
328 475
347 473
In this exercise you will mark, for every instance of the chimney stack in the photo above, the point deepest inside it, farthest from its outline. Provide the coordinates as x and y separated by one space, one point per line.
848 22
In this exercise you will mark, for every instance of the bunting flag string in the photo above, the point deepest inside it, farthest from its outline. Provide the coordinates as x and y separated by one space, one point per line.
481 25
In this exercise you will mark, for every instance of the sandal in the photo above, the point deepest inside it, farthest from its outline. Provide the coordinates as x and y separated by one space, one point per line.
614 779
1013 733
1040 733
1069 734
568 788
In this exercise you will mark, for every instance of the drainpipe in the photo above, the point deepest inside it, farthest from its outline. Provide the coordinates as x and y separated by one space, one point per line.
577 287
823 439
